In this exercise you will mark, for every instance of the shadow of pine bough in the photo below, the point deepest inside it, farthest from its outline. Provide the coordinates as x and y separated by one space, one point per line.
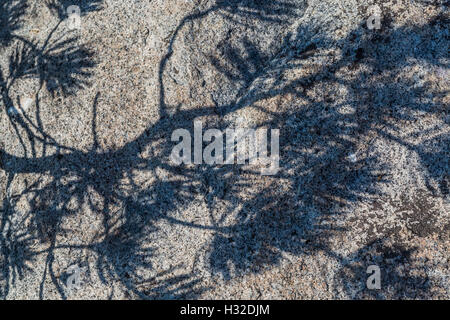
325 179
60 65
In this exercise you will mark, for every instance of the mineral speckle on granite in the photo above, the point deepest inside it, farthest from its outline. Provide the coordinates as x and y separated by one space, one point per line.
87 114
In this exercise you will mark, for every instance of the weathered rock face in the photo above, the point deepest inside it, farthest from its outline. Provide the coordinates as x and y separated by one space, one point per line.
87 115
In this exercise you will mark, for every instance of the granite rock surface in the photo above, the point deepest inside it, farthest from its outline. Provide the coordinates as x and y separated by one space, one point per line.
89 103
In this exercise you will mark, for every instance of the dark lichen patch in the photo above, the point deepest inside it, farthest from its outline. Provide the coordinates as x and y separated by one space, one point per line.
420 214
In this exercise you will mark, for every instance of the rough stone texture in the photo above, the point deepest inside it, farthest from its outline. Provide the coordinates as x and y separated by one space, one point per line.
86 118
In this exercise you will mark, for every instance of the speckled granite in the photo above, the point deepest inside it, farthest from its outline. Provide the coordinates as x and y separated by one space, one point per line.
86 118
